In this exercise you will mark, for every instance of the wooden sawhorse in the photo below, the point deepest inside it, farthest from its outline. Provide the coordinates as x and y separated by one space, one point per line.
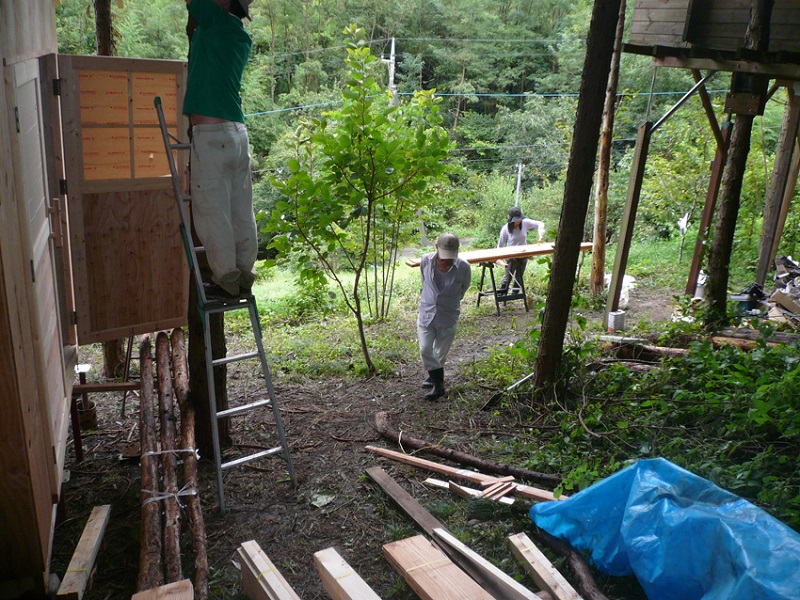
516 290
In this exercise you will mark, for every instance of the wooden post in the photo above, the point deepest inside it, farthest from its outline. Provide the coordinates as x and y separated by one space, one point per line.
150 574
601 190
193 509
169 463
781 173
628 217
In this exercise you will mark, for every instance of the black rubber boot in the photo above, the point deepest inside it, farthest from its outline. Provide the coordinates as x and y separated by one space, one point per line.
437 377
427 383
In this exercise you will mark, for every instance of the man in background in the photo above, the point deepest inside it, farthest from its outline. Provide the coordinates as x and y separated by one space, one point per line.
222 191
515 233
445 280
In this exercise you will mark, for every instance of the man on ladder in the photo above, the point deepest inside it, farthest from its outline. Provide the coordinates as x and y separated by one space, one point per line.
222 190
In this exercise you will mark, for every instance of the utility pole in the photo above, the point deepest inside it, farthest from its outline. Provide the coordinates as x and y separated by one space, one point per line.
519 183
392 86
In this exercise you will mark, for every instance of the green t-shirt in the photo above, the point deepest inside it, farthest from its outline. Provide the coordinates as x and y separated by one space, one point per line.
219 51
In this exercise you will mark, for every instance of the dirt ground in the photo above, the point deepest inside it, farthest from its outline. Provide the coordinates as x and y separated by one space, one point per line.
328 423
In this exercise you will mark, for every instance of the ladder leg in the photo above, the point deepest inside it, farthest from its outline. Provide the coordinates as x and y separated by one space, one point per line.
212 404
256 324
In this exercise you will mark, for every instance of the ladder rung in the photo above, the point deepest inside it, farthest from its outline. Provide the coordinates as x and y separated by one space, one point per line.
238 410
250 458
180 146
230 359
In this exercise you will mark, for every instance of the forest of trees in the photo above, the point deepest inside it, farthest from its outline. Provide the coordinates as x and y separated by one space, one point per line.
508 74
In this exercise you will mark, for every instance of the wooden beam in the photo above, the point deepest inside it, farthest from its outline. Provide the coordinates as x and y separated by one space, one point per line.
76 579
111 386
339 579
261 580
495 254
177 590
426 521
481 570
717 168
628 218
525 491
429 572
541 570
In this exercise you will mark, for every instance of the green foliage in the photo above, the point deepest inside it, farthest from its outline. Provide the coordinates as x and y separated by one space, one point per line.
358 177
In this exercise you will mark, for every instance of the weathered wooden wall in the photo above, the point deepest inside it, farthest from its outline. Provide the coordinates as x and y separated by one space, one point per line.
711 24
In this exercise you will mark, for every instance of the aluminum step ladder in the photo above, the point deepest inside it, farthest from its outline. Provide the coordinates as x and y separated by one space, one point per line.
211 306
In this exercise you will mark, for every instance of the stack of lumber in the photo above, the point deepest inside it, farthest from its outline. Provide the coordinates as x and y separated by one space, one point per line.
164 488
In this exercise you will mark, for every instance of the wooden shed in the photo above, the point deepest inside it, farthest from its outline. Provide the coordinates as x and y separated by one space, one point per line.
90 250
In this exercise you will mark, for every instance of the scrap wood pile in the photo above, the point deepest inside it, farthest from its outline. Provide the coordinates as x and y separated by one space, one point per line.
169 471
435 564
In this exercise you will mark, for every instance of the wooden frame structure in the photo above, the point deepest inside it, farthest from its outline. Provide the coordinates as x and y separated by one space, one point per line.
709 36
88 236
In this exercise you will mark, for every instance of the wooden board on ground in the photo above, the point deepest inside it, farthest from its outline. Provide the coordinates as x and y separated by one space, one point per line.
490 577
178 590
261 580
426 521
494 254
525 491
541 570
430 573
76 579
339 579
462 491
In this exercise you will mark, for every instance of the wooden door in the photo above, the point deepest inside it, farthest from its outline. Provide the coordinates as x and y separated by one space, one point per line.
34 413
129 267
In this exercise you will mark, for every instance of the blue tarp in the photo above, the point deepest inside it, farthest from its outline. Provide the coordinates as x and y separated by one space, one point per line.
683 537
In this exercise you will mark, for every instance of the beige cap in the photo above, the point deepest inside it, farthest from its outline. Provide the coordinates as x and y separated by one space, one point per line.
447 246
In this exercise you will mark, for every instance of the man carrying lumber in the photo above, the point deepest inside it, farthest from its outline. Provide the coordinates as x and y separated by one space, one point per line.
222 190
445 280
515 233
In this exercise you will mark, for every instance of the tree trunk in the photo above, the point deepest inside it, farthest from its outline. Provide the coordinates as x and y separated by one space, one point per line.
113 359
601 195
104 32
193 509
756 38
150 574
169 462
578 187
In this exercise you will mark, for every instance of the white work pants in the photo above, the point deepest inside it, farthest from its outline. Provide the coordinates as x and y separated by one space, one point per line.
222 202
434 344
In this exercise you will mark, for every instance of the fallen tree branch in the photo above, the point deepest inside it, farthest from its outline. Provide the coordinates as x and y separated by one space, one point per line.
484 465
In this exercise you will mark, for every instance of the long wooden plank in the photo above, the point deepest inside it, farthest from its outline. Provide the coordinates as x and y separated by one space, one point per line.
489 576
430 573
526 491
541 570
426 521
261 580
177 590
110 386
340 579
76 579
495 254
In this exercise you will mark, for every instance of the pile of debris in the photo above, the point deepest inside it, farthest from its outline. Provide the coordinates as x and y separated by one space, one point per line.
783 305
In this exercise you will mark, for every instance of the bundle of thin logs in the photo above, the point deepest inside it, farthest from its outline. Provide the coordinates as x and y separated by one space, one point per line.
166 498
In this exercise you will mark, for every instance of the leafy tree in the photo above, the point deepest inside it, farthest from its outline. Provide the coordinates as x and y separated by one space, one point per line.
358 177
